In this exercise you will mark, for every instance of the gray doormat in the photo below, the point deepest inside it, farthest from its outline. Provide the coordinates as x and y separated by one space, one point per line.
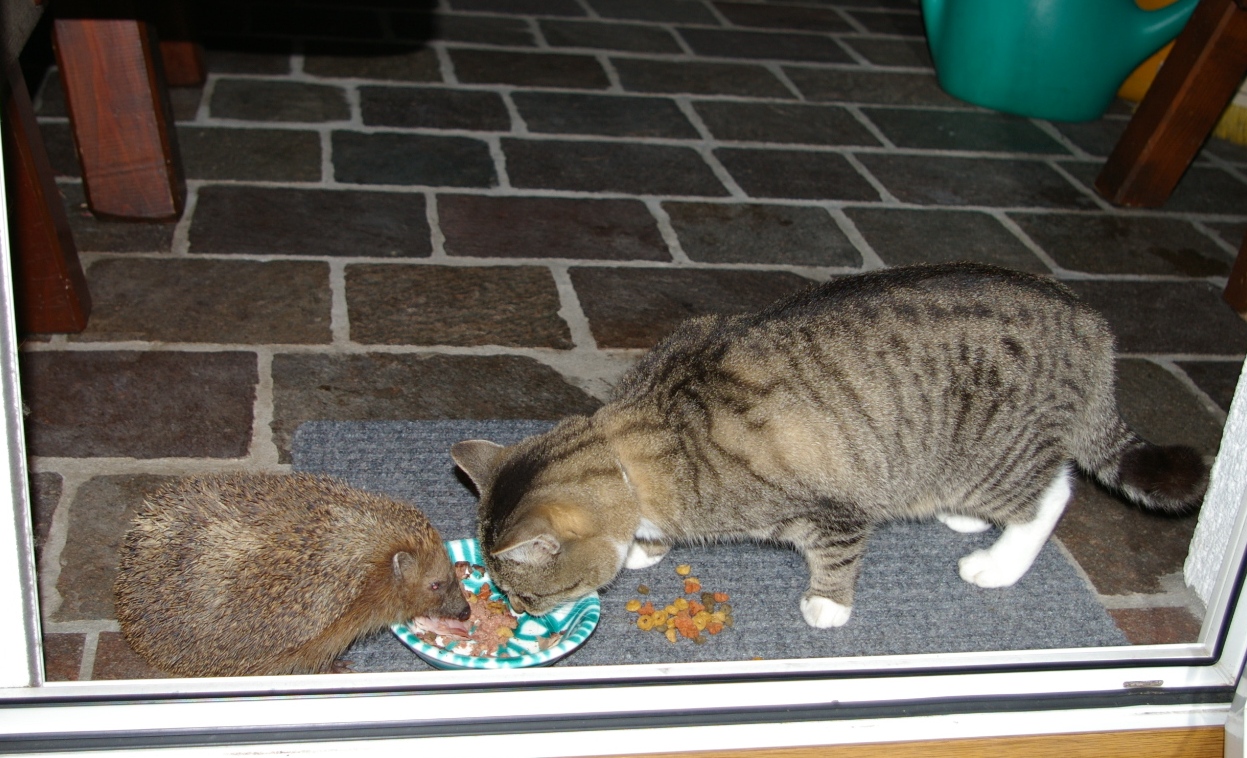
909 598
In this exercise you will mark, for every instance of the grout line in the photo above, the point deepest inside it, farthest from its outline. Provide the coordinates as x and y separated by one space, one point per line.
437 236
570 310
870 259
49 569
1208 404
263 452
667 230
181 244
339 319
86 667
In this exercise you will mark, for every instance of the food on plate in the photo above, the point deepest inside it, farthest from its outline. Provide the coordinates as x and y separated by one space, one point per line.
489 628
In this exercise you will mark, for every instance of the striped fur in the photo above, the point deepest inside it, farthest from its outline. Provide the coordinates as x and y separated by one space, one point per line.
954 389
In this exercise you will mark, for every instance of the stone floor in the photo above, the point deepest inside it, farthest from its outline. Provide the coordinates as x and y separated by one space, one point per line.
489 208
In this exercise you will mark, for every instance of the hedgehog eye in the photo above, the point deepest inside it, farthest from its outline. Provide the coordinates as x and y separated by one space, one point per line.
435 586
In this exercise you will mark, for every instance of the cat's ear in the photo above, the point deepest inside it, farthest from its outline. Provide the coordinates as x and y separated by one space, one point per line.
478 459
532 543
542 532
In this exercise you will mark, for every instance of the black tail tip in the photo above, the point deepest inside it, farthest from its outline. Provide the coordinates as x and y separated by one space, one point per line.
1171 478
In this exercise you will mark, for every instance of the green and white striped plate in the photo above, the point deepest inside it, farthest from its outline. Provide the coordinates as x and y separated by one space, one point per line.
575 620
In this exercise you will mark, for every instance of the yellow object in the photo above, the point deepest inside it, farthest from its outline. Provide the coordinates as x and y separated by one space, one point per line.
1137 83
1233 123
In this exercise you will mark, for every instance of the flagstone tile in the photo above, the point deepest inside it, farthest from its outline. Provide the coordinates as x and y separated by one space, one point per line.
1104 244
962 130
208 300
932 180
409 63
634 308
633 38
783 122
433 108
522 69
533 227
62 656
115 659
1157 626
284 221
135 404
793 17
1218 379
603 115
512 306
250 154
668 11
1166 317
699 78
100 516
902 237
609 167
795 174
785 46
412 159
735 233
268 101
869 87
405 386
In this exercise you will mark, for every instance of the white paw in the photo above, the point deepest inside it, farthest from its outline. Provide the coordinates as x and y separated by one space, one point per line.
963 524
824 613
639 558
987 570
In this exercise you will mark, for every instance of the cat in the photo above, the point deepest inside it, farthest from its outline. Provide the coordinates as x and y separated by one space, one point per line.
960 391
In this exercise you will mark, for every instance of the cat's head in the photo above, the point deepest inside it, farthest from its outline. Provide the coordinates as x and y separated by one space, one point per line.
556 516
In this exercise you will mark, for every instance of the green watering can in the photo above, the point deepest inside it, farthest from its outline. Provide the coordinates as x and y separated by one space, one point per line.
1054 59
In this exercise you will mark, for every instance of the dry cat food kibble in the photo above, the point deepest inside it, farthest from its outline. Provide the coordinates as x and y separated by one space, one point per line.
684 617
490 626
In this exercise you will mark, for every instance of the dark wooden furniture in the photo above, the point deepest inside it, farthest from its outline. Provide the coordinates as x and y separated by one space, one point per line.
1188 96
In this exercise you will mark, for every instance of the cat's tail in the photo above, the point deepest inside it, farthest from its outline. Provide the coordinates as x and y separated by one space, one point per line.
1169 478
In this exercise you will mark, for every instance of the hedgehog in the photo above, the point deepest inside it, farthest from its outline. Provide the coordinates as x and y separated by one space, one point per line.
250 574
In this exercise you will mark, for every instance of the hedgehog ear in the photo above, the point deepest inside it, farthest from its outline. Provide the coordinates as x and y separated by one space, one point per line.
532 542
478 459
404 566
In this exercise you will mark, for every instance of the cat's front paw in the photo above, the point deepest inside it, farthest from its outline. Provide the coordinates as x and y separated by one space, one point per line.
824 613
984 569
963 524
640 556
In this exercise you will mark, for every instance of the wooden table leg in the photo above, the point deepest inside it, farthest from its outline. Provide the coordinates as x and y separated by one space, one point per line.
49 286
1180 109
122 122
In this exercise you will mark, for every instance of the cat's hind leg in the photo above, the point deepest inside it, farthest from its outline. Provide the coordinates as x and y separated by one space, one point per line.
1006 561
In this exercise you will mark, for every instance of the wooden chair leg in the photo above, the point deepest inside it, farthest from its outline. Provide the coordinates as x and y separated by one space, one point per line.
120 115
1182 106
183 63
49 285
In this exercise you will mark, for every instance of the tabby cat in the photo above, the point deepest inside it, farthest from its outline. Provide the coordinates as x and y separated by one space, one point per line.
959 391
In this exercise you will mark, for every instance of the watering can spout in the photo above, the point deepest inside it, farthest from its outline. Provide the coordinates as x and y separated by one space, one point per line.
1157 27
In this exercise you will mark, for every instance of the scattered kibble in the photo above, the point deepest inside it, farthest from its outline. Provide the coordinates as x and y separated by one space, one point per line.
706 613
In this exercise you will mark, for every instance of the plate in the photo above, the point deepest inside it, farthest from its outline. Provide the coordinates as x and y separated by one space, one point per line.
574 620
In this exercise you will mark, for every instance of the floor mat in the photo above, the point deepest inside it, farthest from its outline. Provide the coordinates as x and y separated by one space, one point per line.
909 597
